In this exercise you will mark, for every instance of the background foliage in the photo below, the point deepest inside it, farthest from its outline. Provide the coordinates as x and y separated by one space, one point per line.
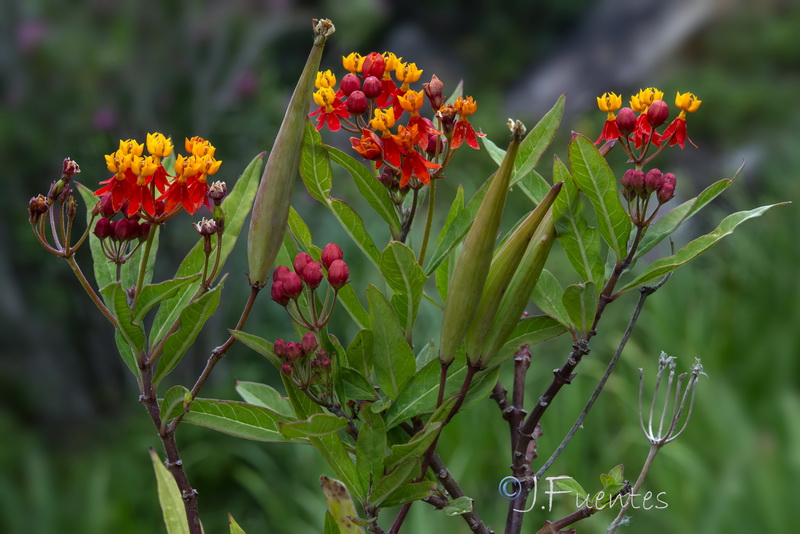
78 78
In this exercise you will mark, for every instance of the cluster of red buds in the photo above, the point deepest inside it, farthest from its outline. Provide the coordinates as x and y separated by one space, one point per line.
638 187
369 102
305 362
638 134
288 285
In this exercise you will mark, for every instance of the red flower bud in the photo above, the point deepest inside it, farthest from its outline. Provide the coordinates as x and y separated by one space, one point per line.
338 273
324 364
144 230
350 82
633 180
300 262
292 285
433 91
293 351
372 87
330 253
106 206
653 180
278 294
279 348
280 272
286 369
309 343
357 103
374 65
125 229
103 228
626 121
667 190
657 113
312 274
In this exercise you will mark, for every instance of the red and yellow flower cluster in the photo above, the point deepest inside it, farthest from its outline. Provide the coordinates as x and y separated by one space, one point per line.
653 112
138 178
369 101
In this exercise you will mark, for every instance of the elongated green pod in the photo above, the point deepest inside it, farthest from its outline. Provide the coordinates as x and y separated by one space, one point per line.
519 290
504 265
271 208
469 275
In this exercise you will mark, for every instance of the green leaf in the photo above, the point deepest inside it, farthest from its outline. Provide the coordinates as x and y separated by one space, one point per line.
534 186
299 229
356 385
548 296
333 450
595 179
154 294
237 419
416 446
192 319
349 301
580 301
419 395
105 272
427 354
531 331
393 359
126 352
459 506
393 480
169 495
117 301
570 484
404 275
264 396
665 265
616 474
360 354
173 402
315 166
341 509
369 187
234 526
236 206
445 268
458 92
581 242
303 406
370 448
415 491
667 224
260 345
354 226
317 425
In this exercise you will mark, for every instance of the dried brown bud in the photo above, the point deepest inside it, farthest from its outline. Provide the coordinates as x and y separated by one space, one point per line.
206 227
37 207
217 192
433 90
70 167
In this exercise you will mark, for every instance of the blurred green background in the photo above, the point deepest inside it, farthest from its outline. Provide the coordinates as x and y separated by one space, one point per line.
78 77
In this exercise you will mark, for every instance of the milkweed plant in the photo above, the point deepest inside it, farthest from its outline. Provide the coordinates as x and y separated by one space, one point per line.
374 406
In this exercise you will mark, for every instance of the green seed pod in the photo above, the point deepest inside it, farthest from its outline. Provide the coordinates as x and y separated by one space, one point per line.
519 290
469 275
504 265
271 207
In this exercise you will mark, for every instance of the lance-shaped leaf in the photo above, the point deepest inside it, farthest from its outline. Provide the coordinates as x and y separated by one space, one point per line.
519 290
595 179
415 491
271 207
548 296
234 526
369 187
665 265
355 228
315 426
666 225
154 294
393 358
360 355
459 506
173 403
530 331
192 319
236 207
370 448
580 241
356 385
340 506
258 344
264 396
104 270
404 275
237 419
117 301
504 265
169 495
333 450
416 446
472 266
445 268
580 301
393 480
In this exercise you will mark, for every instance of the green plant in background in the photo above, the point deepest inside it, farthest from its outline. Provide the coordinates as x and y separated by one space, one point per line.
374 408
